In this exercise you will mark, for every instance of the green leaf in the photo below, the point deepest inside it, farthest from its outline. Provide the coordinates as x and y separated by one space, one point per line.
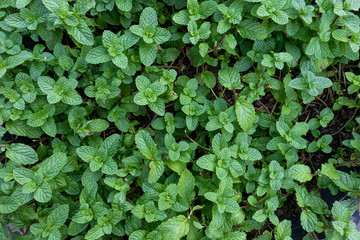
280 17
22 3
43 193
230 78
58 216
186 185
235 236
16 60
300 172
207 8
86 153
161 35
98 125
82 34
245 114
23 175
72 98
20 128
121 60
148 16
110 144
207 162
181 17
208 78
55 7
156 170
260 216
308 220
148 53
95 233
192 122
252 29
140 99
98 55
138 235
174 228
352 22
146 144
8 204
46 84
329 170
15 20
124 5
37 228
283 230
21 154
343 210
53 165
158 107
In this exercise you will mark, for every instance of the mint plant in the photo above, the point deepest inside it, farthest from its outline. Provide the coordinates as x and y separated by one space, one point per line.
195 11
322 143
222 162
101 158
186 119
61 90
149 94
310 85
113 49
151 34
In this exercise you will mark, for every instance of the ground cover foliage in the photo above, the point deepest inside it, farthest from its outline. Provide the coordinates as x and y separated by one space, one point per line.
178 119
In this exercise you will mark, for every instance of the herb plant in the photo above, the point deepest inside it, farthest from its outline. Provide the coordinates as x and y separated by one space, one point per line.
186 119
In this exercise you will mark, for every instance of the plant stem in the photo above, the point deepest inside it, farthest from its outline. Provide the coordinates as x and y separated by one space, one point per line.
205 148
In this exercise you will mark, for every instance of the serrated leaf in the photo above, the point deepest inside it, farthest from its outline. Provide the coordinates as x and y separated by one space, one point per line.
82 34
245 114
124 5
148 16
8 204
300 172
252 29
156 170
174 228
58 216
43 193
329 170
308 220
146 144
148 53
230 78
186 185
98 55
21 154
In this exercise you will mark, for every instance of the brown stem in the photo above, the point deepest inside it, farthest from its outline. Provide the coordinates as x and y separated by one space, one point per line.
205 148
346 123
235 94
170 67
222 40
82 74
266 109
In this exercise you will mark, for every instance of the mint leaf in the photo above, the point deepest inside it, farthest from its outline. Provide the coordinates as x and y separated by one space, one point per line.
175 228
146 144
245 114
186 185
300 173
21 154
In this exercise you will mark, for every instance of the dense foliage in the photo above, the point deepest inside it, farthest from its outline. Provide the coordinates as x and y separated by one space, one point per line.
175 119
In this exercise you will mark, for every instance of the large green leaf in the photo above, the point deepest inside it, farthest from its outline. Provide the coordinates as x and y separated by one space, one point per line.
21 154
245 114
174 228
186 185
146 144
